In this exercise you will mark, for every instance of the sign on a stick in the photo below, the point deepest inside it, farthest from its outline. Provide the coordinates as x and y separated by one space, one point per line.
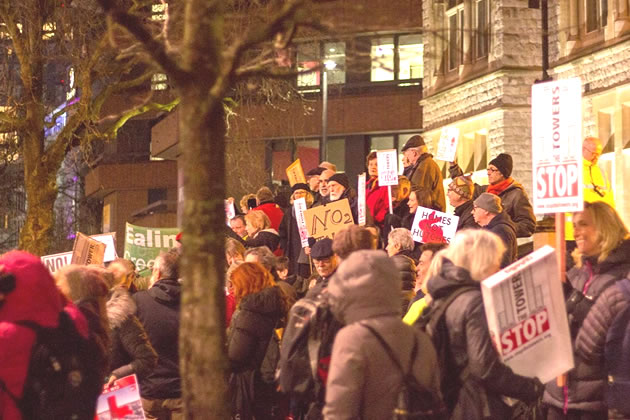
433 226
295 173
447 147
387 161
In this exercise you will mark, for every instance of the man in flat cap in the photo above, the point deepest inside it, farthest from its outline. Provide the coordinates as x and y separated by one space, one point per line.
460 196
488 213
514 199
325 262
422 171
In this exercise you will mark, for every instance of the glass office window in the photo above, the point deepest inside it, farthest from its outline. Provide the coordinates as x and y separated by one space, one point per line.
382 55
410 50
336 51
308 58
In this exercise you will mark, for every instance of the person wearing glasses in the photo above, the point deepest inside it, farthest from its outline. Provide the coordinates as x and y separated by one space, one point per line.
511 192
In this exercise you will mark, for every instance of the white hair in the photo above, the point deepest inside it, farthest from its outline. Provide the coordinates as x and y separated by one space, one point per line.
402 238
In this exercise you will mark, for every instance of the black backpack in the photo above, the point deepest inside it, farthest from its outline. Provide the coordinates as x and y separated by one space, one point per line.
62 380
306 348
433 322
414 401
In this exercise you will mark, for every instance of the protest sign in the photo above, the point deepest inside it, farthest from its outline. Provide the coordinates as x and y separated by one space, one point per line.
143 245
447 146
55 261
87 251
295 173
120 401
433 226
527 317
230 211
109 239
557 146
361 203
325 221
300 207
387 167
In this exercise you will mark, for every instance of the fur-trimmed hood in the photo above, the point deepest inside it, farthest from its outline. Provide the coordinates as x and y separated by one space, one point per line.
119 306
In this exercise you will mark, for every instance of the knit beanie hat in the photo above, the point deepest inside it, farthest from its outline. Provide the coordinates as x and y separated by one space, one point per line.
463 186
341 179
489 202
504 164
299 186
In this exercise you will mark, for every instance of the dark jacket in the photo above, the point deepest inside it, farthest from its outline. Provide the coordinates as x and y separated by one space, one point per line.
158 311
267 237
426 173
405 264
290 241
586 383
472 346
131 351
502 226
515 203
466 219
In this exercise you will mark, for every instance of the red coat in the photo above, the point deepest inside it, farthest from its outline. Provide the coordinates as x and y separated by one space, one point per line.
376 200
274 212
37 299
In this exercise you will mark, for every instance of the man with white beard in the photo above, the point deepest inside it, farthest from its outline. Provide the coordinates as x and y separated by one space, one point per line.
339 188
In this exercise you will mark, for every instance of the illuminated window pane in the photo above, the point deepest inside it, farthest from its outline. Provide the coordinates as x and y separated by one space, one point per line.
159 81
382 55
410 51
307 59
336 51
158 11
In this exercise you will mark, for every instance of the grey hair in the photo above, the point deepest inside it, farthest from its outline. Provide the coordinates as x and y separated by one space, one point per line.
264 256
401 237
477 250
167 263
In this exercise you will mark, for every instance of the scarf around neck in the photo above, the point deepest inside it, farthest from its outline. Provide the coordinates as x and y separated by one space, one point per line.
498 188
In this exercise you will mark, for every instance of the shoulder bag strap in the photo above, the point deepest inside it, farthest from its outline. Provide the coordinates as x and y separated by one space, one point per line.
390 352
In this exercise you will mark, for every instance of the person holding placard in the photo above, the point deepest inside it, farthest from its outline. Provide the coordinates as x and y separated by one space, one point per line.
339 187
488 213
290 241
512 193
375 195
422 171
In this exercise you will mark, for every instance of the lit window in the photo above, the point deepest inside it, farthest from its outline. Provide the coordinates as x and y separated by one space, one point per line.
382 55
308 59
158 11
159 81
49 30
410 50
336 51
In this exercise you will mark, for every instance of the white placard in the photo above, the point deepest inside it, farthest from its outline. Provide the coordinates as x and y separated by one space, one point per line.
387 162
300 207
447 147
109 239
557 146
527 316
361 204
433 226
55 261
230 211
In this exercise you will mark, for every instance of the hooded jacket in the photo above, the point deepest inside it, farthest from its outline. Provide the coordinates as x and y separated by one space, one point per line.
586 382
36 299
131 351
502 226
363 381
158 311
472 346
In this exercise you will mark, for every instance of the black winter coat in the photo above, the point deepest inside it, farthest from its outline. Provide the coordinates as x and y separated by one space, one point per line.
290 241
466 219
267 237
502 226
472 346
587 382
131 351
158 311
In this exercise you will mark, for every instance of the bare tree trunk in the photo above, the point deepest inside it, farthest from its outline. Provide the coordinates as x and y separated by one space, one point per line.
202 330
38 229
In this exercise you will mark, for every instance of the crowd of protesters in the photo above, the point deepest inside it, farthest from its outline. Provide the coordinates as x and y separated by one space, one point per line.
367 295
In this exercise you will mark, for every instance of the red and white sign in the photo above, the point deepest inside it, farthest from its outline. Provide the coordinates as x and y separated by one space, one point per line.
433 226
361 204
557 146
387 162
121 401
447 146
299 205
527 318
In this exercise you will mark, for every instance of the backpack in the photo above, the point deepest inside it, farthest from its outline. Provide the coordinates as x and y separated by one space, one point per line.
306 348
414 401
433 322
62 381
617 356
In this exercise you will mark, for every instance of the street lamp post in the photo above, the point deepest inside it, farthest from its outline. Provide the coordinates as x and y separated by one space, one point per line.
328 65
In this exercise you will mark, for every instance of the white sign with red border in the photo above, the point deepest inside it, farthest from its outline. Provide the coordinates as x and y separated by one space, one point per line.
557 146
300 207
361 203
387 162
433 226
447 146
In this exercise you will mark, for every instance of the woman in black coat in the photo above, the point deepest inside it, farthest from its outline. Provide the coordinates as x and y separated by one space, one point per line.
252 342
259 231
290 241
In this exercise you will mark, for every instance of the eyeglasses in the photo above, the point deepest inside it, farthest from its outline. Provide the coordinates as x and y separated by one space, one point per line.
492 170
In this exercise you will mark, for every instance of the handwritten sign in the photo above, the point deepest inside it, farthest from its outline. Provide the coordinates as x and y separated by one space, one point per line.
324 221
299 206
87 251
295 173
433 226
447 146
361 204
387 162
120 401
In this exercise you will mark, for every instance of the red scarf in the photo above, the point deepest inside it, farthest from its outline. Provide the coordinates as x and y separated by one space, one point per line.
498 188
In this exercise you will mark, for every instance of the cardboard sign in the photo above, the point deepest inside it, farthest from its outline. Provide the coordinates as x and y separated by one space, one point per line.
55 261
557 146
87 251
324 221
143 245
447 146
527 317
433 226
295 173
387 162
120 401
300 207
361 204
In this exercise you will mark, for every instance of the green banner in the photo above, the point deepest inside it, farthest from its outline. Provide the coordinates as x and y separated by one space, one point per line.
143 245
